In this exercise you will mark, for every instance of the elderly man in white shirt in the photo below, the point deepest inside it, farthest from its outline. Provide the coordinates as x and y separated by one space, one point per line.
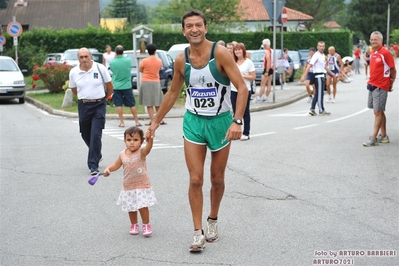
92 84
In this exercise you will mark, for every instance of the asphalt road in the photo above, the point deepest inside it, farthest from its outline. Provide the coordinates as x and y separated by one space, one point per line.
299 190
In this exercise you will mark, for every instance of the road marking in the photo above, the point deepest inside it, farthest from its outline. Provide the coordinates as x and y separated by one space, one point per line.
262 134
306 126
348 116
299 113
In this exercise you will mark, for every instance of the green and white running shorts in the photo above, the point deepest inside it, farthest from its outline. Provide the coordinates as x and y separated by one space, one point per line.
207 130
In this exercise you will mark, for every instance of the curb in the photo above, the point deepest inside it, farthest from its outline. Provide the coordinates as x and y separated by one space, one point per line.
253 108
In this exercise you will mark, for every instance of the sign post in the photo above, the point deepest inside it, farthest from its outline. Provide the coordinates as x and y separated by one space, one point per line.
14 28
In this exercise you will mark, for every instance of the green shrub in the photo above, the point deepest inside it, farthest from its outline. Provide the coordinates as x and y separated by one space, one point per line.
53 76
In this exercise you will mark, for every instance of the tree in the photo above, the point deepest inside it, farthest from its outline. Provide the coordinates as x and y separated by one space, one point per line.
3 3
135 13
321 10
371 15
220 13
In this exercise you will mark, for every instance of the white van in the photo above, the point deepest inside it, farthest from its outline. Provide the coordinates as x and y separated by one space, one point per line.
176 49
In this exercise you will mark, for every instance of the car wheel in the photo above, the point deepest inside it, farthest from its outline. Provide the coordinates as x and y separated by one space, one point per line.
22 100
292 76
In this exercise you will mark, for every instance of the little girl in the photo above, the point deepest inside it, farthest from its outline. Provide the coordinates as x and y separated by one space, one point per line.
137 193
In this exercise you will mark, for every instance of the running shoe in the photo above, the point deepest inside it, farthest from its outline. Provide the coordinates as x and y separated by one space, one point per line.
382 139
312 113
245 137
94 172
134 229
264 99
256 100
147 231
329 99
324 113
372 142
333 100
199 242
211 234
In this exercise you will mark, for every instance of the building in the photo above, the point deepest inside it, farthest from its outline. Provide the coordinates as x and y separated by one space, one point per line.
55 14
332 25
256 18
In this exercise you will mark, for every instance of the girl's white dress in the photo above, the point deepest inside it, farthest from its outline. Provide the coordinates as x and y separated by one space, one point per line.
137 191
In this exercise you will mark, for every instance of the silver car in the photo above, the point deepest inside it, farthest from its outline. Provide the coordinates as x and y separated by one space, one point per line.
12 83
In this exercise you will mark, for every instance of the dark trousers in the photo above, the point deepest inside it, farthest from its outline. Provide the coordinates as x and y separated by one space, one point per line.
320 84
247 114
91 125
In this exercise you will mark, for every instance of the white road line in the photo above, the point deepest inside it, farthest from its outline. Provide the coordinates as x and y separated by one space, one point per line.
299 113
262 134
348 116
306 126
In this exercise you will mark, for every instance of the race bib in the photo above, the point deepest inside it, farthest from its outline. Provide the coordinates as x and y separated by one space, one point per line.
204 98
331 67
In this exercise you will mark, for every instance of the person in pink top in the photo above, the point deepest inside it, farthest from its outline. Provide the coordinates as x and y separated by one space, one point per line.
150 93
137 193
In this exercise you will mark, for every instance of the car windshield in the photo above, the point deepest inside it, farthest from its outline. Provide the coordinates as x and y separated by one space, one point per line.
132 57
257 56
8 65
71 55
294 55
174 53
304 53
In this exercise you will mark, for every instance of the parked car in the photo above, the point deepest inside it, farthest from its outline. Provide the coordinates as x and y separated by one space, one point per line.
165 74
71 56
176 49
54 58
12 83
295 58
257 57
304 54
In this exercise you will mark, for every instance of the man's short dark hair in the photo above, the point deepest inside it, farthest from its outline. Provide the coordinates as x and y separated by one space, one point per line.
192 13
119 50
151 48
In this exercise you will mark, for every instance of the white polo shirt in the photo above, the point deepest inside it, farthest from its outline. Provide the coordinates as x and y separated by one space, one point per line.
318 62
89 84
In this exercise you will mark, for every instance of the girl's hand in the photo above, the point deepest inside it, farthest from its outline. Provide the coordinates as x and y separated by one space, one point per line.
107 172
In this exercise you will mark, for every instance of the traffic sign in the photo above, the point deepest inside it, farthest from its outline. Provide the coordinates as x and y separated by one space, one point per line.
2 40
269 6
14 29
284 16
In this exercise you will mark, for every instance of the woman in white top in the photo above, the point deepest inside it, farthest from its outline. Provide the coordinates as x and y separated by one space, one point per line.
247 70
108 56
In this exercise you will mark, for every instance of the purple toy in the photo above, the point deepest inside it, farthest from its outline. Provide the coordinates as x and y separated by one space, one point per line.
94 178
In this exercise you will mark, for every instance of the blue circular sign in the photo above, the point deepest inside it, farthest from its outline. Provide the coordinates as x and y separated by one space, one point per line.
2 40
14 29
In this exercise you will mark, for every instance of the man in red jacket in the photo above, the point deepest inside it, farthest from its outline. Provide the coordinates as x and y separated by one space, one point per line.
382 77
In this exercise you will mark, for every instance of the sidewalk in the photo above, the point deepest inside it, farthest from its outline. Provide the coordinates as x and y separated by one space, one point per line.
291 93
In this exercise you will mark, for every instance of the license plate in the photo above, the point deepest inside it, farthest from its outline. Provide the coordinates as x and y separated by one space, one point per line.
3 91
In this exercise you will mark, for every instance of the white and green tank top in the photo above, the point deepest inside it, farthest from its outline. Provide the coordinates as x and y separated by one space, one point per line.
208 91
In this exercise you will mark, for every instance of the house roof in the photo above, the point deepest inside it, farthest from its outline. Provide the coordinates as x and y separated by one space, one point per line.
56 14
332 25
254 10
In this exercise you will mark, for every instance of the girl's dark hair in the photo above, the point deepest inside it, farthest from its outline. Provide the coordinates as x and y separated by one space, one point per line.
151 48
133 130
192 13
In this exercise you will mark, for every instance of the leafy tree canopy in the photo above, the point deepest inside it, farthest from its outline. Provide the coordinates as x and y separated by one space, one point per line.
130 9
371 15
320 10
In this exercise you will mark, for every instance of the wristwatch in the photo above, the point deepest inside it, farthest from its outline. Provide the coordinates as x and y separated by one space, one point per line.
237 121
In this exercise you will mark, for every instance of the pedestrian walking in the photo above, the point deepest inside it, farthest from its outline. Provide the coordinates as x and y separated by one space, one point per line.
108 56
356 62
207 69
92 84
247 70
122 80
335 64
382 77
150 94
267 75
309 76
318 62
137 193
